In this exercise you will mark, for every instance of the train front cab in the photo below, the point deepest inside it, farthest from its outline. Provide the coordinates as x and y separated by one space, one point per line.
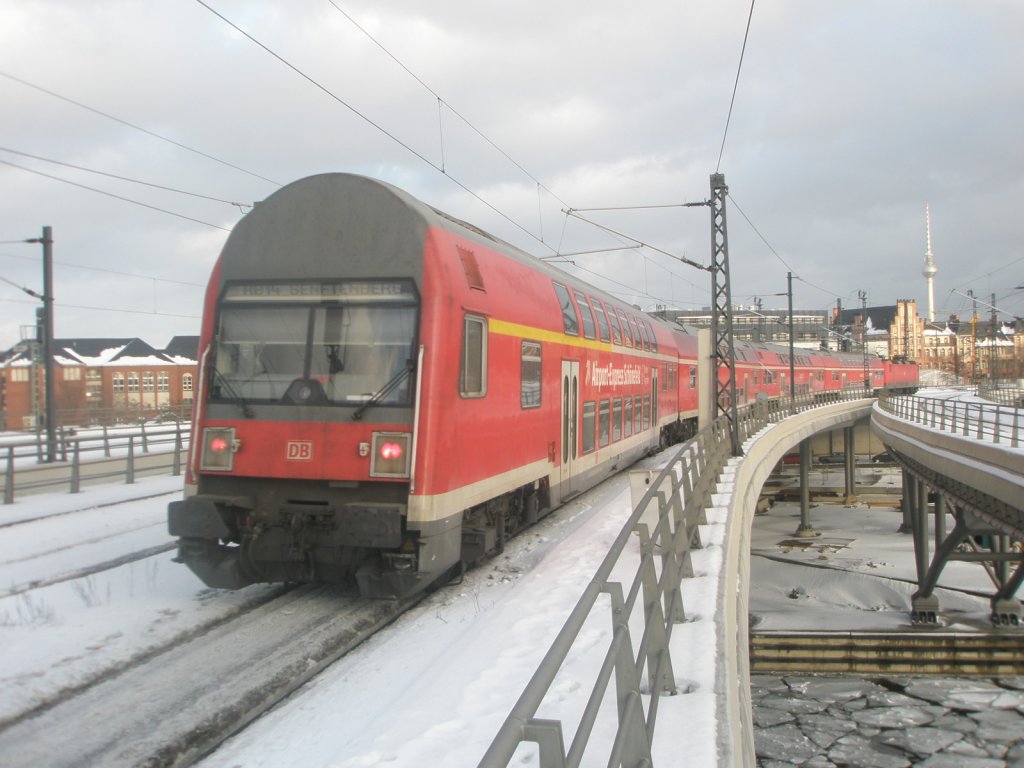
301 460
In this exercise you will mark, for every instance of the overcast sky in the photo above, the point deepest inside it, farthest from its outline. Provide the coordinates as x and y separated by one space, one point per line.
848 120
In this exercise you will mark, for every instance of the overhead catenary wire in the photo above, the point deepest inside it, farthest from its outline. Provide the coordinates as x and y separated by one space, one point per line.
639 243
125 178
328 92
441 101
107 271
442 104
133 126
775 253
735 86
21 288
757 232
110 309
116 197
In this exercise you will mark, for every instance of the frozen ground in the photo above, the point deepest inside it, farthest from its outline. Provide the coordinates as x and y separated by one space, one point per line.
858 573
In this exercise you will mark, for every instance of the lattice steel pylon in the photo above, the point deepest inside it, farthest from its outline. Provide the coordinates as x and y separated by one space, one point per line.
721 314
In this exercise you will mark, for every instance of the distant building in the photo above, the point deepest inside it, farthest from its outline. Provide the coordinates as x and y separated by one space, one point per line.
855 329
98 381
810 327
970 350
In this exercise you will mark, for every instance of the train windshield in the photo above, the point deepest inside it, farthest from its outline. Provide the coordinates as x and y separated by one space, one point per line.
312 352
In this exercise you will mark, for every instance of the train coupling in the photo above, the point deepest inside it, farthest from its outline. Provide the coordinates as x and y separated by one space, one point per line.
397 561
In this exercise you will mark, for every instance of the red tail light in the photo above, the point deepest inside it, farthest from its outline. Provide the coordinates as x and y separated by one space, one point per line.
218 449
390 454
391 451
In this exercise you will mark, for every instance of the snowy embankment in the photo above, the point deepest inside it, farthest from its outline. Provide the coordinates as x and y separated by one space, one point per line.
433 688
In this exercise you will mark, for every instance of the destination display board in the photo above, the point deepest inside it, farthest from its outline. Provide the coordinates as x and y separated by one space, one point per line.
320 291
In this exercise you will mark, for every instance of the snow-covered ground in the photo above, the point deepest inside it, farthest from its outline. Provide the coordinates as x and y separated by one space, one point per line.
433 688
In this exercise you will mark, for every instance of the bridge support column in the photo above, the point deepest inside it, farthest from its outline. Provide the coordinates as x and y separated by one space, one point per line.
924 609
848 465
805 529
1006 612
906 502
922 549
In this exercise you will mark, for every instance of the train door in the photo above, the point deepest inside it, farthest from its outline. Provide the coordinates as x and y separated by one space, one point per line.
570 425
654 398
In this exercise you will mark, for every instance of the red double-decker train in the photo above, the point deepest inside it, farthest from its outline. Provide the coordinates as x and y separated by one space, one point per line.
386 392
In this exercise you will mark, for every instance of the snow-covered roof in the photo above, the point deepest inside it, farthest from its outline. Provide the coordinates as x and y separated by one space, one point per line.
97 353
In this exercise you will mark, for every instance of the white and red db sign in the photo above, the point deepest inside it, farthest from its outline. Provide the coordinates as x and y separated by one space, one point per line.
299 450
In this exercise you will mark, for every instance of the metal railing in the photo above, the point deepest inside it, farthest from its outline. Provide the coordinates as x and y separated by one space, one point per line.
992 423
91 456
649 606
1004 392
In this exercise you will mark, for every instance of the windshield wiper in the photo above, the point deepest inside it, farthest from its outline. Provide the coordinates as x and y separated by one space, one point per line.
234 396
383 391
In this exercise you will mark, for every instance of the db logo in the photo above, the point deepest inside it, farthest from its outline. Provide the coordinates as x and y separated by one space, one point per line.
299 450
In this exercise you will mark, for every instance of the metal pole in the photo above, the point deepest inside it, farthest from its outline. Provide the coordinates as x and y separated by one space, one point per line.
51 434
9 477
721 315
792 364
805 530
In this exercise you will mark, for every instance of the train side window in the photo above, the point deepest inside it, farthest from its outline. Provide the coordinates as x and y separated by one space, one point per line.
529 396
627 333
638 340
589 412
586 314
647 412
643 335
604 416
637 414
654 339
614 320
473 374
569 321
602 320
693 377
628 420
617 419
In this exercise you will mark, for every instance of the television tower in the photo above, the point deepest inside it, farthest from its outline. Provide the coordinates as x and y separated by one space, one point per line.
929 266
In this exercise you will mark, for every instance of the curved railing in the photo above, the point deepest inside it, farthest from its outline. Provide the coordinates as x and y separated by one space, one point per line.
668 505
990 422
1003 392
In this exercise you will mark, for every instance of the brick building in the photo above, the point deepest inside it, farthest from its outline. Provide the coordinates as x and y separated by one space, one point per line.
98 381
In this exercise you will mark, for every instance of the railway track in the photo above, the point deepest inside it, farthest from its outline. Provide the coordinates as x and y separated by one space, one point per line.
923 652
174 704
89 570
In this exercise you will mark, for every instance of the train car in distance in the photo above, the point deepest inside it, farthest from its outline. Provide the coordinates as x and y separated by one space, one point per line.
386 393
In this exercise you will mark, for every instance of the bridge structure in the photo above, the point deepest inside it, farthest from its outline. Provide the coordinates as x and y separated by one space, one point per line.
961 460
